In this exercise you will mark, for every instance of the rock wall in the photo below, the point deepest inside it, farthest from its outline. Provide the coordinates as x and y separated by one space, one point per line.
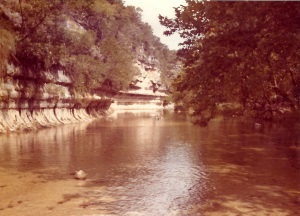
22 119
28 102
138 101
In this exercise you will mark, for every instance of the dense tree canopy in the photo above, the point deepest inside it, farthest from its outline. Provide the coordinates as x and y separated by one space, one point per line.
243 56
94 41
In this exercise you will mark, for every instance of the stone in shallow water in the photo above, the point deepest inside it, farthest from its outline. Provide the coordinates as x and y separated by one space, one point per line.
80 175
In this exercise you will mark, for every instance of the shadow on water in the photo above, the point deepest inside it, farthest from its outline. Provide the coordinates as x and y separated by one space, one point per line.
255 170
138 165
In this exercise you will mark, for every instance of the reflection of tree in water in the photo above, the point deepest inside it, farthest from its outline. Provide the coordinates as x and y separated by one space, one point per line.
254 170
286 132
292 127
40 149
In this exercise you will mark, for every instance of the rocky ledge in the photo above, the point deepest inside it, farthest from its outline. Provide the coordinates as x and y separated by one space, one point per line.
16 116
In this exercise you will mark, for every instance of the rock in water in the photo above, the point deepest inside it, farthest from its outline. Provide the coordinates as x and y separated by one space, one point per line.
80 175
257 125
157 116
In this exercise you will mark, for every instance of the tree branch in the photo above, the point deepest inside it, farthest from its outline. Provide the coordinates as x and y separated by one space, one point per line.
21 11
33 28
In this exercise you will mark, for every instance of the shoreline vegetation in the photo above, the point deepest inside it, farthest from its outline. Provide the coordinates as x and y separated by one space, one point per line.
244 53
237 59
66 61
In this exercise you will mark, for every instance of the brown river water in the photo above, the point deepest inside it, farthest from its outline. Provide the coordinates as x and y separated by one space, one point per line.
137 165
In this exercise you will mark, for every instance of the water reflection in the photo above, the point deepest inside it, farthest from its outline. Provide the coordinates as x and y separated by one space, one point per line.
137 165
156 168
38 149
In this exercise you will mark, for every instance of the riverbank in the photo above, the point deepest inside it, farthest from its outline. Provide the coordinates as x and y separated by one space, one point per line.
41 114
29 102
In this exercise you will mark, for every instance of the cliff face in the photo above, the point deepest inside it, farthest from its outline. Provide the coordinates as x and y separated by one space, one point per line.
29 102
147 90
68 61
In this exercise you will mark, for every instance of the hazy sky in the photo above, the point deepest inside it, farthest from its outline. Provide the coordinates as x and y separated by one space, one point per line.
151 10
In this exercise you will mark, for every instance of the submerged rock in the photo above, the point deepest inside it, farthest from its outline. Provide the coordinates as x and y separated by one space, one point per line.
80 175
257 125
157 117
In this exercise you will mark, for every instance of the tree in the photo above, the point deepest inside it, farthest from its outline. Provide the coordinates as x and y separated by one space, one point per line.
239 54
7 48
94 42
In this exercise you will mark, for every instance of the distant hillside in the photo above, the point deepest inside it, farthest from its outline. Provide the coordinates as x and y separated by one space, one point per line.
76 47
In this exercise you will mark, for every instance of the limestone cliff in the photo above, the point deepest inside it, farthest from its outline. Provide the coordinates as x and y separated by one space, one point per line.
146 91
68 61
28 102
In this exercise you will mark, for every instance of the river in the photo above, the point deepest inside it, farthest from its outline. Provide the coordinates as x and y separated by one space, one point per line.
137 165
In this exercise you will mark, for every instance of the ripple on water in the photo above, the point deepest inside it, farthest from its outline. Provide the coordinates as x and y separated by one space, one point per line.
138 166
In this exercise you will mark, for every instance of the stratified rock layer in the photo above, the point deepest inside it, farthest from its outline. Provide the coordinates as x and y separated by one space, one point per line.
14 120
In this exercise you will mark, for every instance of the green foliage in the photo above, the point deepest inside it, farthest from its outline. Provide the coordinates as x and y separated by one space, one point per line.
7 39
93 41
118 61
85 72
7 48
238 52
